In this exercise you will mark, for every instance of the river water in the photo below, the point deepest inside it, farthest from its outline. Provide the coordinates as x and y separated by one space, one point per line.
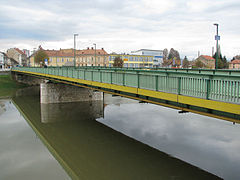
117 138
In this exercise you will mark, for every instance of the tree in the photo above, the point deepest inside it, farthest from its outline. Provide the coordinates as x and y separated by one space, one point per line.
185 62
222 61
40 57
118 62
199 64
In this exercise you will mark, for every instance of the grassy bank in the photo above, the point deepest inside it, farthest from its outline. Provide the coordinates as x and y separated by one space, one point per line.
7 86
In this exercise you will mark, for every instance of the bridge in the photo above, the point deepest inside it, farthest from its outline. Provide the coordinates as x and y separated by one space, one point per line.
214 93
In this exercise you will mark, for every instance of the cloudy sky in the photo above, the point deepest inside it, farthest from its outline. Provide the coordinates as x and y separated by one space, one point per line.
122 25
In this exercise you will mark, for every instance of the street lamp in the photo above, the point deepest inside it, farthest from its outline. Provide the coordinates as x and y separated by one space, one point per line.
95 53
75 49
217 37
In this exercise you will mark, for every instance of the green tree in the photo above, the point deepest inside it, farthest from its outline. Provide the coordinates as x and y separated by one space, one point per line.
40 57
199 64
222 61
118 62
185 62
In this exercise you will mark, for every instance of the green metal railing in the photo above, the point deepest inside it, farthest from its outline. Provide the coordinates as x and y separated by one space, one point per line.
215 85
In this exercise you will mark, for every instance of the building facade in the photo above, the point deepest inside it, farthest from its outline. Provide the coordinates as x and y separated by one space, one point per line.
234 64
157 55
208 61
18 56
65 57
132 61
2 60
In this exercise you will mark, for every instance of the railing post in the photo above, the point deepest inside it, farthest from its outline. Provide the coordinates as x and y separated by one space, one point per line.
208 89
100 75
111 77
84 74
123 79
179 85
138 80
156 78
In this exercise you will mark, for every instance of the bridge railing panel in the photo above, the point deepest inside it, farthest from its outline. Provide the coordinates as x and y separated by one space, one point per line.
81 74
96 76
147 82
225 90
167 84
106 77
196 87
88 75
118 78
132 80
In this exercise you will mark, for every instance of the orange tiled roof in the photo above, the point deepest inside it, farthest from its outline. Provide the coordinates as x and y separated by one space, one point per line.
207 57
19 51
70 52
236 61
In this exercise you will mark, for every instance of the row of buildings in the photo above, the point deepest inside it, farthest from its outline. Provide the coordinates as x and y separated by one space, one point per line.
14 57
99 57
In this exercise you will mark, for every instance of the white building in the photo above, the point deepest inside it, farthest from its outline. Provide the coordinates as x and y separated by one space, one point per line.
157 55
1 60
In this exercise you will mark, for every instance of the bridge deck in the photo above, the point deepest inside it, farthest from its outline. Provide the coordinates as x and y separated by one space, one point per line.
212 90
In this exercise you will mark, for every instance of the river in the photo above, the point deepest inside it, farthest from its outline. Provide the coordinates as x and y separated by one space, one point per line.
117 138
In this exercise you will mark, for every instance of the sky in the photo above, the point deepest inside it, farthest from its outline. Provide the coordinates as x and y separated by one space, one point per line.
122 26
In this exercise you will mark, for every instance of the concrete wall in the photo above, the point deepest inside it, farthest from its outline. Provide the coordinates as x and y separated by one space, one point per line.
58 93
26 79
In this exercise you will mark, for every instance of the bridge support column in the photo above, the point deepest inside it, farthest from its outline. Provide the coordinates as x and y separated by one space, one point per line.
59 93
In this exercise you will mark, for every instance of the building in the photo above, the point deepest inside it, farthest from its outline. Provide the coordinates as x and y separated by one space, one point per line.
157 55
6 62
18 56
2 60
65 57
27 52
234 64
208 61
133 61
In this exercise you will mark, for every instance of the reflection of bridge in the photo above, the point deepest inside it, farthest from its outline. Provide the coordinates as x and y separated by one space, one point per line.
208 92
89 150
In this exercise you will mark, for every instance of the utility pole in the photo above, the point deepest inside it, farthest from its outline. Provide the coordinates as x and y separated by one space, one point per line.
74 60
95 54
217 37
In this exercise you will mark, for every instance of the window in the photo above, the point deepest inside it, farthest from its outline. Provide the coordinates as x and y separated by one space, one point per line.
63 60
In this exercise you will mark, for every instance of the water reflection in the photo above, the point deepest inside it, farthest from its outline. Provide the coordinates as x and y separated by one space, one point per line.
208 143
2 107
22 155
89 150
51 113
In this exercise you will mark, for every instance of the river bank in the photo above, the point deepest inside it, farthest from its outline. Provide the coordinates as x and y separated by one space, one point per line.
8 86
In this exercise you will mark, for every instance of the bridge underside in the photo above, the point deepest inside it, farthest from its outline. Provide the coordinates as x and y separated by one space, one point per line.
217 109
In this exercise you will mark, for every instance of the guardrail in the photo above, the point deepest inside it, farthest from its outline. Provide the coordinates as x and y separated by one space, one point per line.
223 86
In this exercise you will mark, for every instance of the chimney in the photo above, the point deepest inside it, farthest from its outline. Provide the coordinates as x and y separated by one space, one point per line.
102 49
92 48
87 48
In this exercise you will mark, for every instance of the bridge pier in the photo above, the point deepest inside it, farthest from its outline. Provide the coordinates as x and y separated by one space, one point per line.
61 93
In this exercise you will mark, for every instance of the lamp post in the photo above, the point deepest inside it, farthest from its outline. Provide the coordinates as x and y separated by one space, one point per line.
95 53
216 38
74 60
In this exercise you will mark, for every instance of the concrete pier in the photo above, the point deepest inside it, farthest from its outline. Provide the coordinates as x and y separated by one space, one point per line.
61 93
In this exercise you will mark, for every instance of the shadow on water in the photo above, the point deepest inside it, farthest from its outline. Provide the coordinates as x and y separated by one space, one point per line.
89 150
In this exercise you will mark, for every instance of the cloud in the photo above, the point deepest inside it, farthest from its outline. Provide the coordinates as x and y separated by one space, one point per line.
186 25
